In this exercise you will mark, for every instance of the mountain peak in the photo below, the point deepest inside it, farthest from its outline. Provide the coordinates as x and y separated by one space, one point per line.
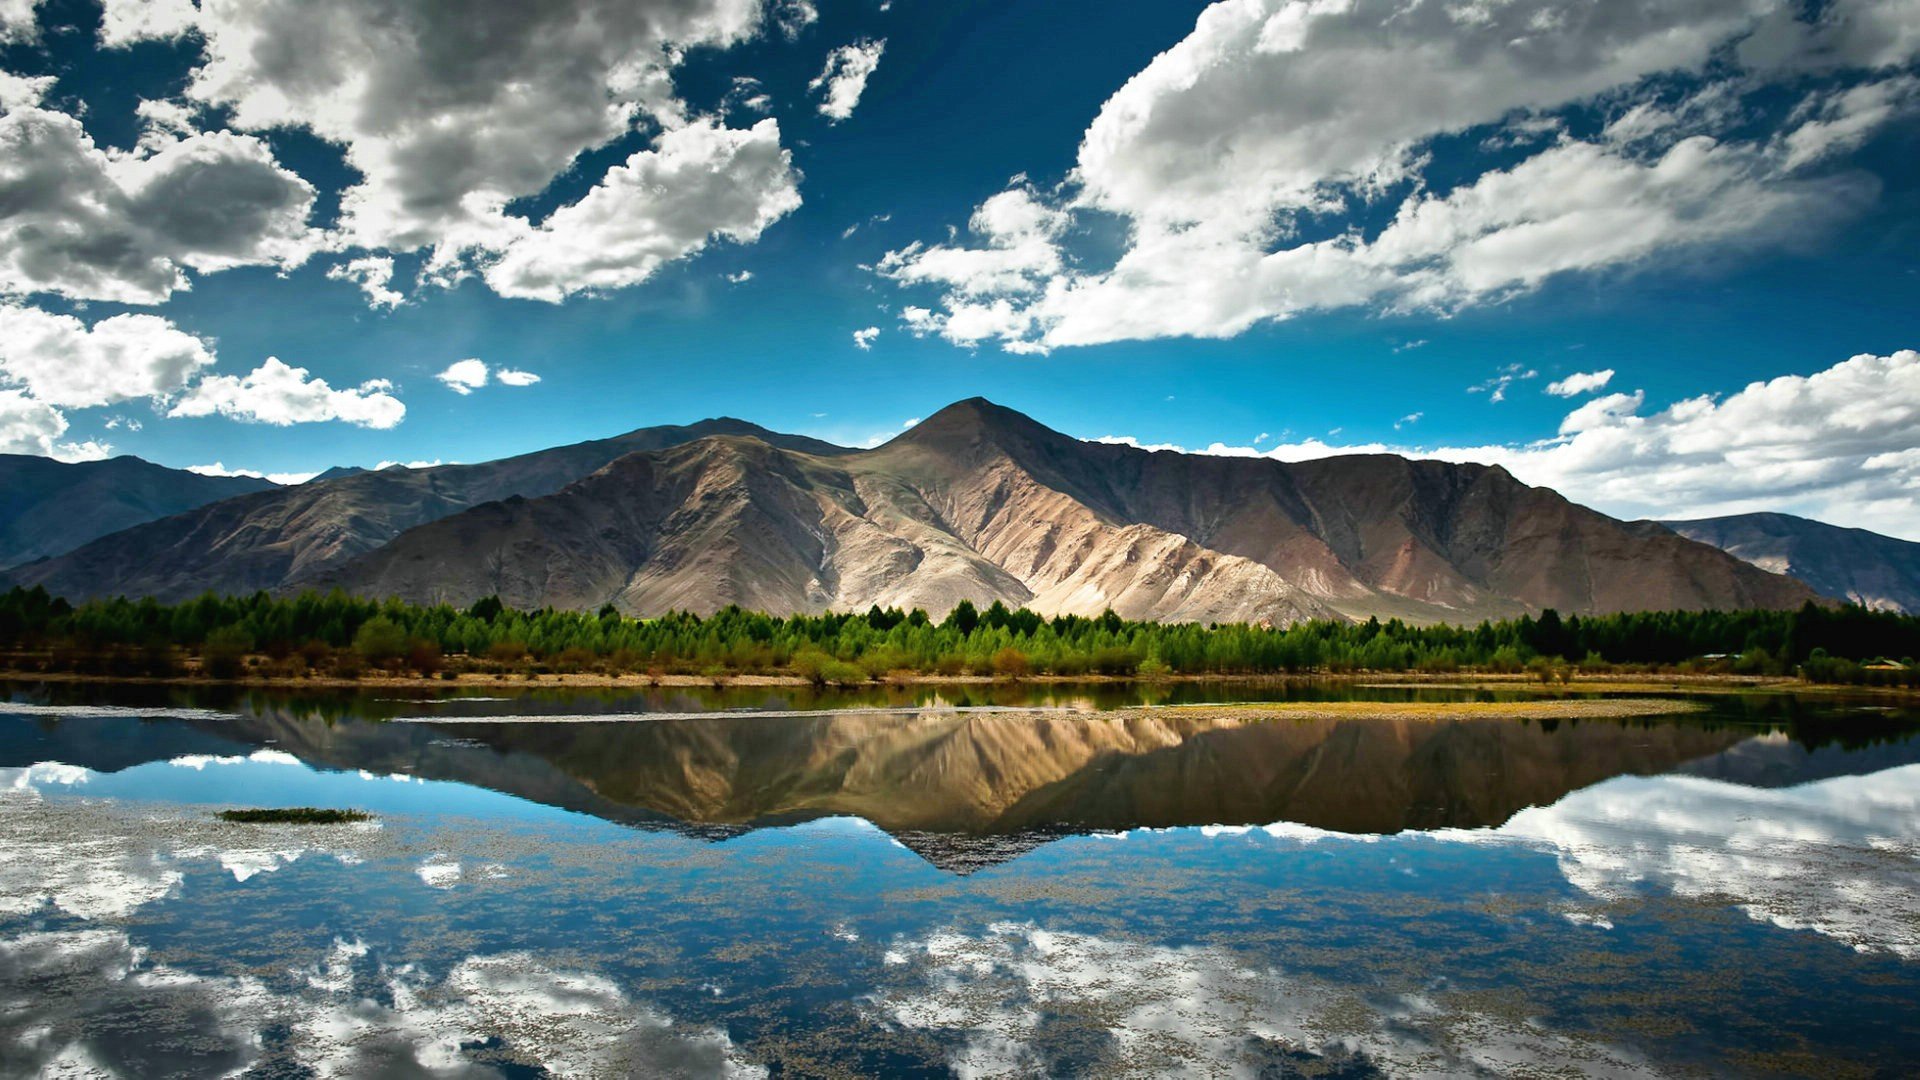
976 420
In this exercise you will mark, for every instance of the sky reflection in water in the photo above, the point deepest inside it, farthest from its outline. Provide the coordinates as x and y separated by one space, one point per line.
697 898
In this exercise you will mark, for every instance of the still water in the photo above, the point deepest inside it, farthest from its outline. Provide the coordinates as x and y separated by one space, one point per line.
925 882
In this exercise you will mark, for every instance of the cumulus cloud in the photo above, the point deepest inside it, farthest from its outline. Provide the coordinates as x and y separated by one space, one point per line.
450 113
374 275
124 22
699 182
30 427
18 21
60 361
1837 445
863 339
86 223
1234 157
1580 382
465 376
282 395
844 79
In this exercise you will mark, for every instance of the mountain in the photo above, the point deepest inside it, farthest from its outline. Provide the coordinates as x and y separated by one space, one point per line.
279 538
1862 567
982 503
50 507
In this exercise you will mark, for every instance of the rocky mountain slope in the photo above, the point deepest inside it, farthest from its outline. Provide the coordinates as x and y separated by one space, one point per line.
50 507
982 503
1863 567
276 539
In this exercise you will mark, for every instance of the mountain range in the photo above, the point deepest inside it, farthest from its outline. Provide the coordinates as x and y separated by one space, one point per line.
1855 565
48 507
977 502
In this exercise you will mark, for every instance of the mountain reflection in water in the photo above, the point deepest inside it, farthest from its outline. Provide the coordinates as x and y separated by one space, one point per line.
1730 893
965 788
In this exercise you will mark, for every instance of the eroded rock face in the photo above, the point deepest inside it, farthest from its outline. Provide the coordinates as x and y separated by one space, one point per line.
984 504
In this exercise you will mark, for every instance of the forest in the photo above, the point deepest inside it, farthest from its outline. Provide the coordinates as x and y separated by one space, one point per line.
342 636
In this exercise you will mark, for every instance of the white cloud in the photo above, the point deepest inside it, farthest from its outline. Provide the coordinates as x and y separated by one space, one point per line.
1020 252
740 277
1196 1009
793 16
1842 121
450 113
23 91
18 20
863 339
61 361
1837 445
1405 421
1580 382
1273 118
28 426
1811 857
279 394
465 376
282 478
1496 387
844 79
124 22
374 275
699 182
125 226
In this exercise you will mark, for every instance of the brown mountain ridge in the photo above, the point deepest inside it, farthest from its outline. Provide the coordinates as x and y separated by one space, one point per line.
982 503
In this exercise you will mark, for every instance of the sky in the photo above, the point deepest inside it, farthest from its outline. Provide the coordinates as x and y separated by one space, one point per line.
1658 254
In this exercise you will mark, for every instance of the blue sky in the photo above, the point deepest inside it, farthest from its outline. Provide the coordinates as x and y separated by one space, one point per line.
1264 227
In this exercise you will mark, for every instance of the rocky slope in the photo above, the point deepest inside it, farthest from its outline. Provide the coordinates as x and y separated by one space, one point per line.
1863 567
278 538
50 507
982 503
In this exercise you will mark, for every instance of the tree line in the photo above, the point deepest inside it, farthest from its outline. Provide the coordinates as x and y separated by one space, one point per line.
337 634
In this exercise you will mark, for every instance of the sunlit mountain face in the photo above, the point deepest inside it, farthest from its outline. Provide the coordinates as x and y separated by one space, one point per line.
974 880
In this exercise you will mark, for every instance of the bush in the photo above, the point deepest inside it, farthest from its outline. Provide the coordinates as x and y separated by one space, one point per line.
508 652
1011 663
380 641
424 657
224 654
574 660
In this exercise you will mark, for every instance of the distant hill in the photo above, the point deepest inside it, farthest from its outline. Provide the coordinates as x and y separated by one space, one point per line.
278 538
50 507
1855 565
982 503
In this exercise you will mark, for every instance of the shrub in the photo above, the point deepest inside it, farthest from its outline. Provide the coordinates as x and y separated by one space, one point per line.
1012 663
424 657
380 641
224 654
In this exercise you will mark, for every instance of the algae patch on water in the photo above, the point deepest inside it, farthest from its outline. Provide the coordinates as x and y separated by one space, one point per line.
294 815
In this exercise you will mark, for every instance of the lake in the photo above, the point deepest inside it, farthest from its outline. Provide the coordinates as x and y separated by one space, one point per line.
981 880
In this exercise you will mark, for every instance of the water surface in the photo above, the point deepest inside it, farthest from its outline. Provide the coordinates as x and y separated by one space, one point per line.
760 883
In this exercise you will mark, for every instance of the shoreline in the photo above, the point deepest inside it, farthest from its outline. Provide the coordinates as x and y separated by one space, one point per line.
1633 683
